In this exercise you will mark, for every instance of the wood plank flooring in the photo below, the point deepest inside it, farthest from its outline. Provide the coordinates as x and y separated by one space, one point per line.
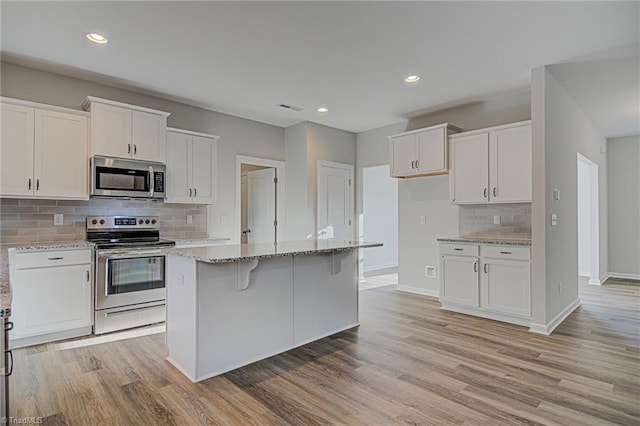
408 363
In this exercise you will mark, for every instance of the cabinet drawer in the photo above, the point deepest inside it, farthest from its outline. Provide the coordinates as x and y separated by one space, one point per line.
459 249
49 258
507 252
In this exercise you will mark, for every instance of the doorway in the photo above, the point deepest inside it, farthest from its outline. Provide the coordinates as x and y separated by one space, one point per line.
379 222
259 200
588 221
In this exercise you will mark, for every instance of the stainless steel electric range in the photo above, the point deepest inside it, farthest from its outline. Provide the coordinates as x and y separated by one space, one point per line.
129 271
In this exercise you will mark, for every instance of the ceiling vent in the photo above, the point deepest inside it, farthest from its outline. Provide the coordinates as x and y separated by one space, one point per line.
292 107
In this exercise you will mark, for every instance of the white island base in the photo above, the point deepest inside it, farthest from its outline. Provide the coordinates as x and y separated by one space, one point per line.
227 314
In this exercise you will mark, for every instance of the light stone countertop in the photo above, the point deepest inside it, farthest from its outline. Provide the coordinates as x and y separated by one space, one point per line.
491 239
199 241
241 252
5 284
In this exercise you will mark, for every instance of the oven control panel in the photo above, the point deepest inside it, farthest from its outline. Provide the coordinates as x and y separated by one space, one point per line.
122 222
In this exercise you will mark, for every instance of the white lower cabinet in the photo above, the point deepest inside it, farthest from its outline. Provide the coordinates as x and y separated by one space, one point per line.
52 295
487 280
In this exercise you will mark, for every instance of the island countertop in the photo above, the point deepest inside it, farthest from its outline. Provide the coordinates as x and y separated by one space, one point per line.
244 252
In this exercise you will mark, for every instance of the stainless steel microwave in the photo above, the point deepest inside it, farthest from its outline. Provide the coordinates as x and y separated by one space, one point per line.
117 177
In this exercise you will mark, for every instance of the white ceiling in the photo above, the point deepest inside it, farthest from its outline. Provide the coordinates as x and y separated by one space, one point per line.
245 58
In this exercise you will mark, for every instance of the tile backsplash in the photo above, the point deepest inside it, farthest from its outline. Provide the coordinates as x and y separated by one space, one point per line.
30 221
515 218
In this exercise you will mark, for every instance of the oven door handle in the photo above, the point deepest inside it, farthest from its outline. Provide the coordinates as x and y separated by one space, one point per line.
152 182
130 255
106 277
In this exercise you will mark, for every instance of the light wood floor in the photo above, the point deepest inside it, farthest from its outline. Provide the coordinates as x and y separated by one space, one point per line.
408 363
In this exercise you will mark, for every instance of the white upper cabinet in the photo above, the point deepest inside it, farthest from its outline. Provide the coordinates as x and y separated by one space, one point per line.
491 165
61 154
191 167
16 151
44 151
420 152
127 131
510 160
469 174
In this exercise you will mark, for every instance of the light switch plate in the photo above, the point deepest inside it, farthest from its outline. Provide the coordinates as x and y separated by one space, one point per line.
496 219
58 219
554 219
189 219
423 220
556 194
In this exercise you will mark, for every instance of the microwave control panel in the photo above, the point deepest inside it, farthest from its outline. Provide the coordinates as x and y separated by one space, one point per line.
158 181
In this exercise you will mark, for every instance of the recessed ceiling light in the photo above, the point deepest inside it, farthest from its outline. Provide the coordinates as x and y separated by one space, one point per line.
97 38
322 110
412 79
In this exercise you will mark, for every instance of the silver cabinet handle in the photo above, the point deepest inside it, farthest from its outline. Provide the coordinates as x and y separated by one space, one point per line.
417 164
128 148
505 252
195 192
135 149
413 164
486 268
29 184
190 192
458 249
37 184
55 258
475 266
88 275
494 191
485 193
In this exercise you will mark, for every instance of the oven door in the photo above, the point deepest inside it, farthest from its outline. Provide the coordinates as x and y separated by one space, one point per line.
129 277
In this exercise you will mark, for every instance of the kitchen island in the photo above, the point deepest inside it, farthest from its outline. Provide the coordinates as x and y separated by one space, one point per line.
231 305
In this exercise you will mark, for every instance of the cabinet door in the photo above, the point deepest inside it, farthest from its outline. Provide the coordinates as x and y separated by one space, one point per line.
204 170
510 165
110 130
149 137
506 287
49 300
178 167
460 280
432 151
16 151
468 179
404 155
61 155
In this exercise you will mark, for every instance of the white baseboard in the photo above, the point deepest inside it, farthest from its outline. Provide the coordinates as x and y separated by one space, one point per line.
621 276
379 267
548 328
418 290
593 281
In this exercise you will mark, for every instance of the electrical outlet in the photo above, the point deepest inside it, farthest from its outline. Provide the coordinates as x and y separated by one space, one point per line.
430 271
496 219
58 219
556 194
423 220
189 219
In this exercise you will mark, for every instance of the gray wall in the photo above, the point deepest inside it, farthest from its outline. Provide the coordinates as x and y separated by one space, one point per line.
561 130
305 144
429 196
623 166
237 135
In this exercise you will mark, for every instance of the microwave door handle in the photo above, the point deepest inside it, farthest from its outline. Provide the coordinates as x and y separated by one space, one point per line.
151 182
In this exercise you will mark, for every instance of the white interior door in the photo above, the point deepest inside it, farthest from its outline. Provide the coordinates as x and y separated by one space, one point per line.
243 211
261 205
335 201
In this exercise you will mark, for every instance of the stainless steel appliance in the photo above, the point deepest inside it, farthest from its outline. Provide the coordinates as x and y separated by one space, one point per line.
129 273
6 364
115 177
